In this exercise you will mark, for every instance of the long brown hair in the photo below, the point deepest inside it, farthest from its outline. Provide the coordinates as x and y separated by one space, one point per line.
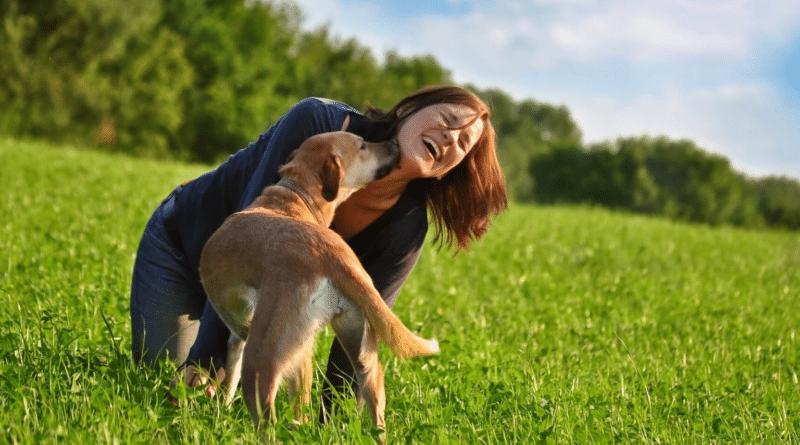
465 200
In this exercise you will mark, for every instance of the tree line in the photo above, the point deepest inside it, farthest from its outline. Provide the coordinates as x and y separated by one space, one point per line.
660 176
189 79
198 79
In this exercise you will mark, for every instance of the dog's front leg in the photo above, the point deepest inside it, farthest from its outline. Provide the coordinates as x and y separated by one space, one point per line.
234 365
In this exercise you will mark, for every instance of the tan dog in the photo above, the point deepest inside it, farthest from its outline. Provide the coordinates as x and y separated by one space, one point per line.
276 275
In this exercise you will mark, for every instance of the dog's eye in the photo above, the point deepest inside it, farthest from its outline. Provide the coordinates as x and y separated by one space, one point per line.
363 146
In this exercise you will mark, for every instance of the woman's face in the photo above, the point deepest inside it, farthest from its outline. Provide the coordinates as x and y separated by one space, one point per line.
435 139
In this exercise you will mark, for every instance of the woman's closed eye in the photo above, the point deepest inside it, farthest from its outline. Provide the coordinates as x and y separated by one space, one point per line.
450 121
463 141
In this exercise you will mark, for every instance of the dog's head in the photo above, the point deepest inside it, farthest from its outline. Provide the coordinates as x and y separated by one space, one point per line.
340 163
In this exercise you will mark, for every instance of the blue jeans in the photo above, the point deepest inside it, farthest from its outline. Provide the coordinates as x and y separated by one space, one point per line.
167 299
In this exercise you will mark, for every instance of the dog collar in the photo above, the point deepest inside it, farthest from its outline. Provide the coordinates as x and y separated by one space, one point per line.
303 194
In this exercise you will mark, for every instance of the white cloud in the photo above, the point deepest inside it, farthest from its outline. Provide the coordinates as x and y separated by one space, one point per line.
639 36
555 33
685 68
747 123
550 32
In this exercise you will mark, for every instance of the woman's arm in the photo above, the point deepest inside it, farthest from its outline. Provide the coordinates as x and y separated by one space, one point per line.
307 118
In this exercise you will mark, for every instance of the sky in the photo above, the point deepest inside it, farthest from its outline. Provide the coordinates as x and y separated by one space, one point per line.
723 73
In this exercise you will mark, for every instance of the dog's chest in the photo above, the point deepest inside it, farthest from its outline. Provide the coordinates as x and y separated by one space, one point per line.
326 302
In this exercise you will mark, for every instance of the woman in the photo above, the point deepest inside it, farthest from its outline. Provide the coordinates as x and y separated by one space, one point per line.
448 165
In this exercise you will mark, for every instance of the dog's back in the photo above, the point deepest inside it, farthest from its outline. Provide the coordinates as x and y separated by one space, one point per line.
289 261
282 256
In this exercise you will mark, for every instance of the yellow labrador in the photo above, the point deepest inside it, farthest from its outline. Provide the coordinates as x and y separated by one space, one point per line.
276 274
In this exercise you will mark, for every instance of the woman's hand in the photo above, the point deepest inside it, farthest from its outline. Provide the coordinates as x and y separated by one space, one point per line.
196 376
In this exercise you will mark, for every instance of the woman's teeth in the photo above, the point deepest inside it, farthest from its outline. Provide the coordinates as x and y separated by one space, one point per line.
431 146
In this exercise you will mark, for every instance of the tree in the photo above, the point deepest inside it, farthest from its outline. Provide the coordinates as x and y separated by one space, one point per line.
779 201
324 66
238 51
92 72
524 131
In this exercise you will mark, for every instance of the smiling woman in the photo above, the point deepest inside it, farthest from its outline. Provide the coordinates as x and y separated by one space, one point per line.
448 166
438 137
469 185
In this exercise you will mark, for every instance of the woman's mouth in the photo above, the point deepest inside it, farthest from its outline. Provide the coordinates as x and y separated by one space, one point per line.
432 147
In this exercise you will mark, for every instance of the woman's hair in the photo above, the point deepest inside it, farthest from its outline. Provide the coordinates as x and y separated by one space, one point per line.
463 201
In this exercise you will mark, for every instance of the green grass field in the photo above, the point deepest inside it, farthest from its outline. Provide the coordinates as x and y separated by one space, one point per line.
565 325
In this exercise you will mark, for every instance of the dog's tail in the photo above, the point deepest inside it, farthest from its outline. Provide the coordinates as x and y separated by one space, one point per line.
382 320
396 335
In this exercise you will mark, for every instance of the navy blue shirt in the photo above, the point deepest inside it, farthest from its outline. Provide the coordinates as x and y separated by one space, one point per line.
388 248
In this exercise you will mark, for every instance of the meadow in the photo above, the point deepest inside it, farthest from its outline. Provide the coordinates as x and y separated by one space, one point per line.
564 325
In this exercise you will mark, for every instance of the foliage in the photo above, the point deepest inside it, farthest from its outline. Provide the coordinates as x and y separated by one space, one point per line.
660 176
237 50
185 79
93 71
198 79
778 201
525 130
564 325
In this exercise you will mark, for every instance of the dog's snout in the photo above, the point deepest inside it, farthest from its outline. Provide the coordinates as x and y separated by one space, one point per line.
392 148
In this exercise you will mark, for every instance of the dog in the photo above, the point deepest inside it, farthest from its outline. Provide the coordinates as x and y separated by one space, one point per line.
276 274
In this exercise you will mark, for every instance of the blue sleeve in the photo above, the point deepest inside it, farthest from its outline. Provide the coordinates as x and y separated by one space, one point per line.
308 118
205 202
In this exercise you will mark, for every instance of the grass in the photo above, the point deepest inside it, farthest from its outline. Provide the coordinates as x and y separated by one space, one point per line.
564 325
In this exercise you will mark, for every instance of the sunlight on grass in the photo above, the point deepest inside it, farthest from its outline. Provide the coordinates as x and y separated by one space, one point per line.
564 325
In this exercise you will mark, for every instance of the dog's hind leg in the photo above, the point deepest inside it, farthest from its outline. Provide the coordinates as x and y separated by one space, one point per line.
300 383
371 389
261 377
360 343
280 345
234 368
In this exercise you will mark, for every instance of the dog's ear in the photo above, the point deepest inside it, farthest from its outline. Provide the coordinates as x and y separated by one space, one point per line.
330 176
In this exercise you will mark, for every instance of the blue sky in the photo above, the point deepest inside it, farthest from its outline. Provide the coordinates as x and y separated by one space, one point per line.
724 73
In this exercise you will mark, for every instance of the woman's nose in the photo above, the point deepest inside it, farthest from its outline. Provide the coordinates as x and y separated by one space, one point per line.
449 136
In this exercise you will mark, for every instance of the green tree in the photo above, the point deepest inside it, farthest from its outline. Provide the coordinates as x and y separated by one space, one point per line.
656 176
558 174
238 52
778 201
403 75
44 51
324 66
92 72
639 190
526 130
